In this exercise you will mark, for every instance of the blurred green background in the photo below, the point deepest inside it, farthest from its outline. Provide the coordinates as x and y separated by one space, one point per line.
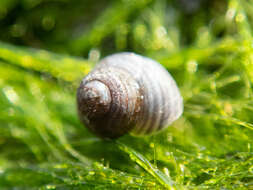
47 46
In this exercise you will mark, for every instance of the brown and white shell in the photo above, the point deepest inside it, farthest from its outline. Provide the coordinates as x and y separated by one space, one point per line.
125 93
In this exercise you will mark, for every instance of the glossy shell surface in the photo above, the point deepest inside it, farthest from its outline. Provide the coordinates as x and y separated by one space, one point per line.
125 93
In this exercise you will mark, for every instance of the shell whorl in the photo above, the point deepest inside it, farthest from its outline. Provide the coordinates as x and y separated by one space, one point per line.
127 92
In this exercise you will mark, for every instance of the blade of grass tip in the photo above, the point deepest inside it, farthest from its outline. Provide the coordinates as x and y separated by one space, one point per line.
223 118
243 23
77 155
60 135
165 180
176 59
106 24
232 120
238 122
62 138
62 67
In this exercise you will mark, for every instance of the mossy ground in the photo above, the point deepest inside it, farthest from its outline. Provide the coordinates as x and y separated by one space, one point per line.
206 45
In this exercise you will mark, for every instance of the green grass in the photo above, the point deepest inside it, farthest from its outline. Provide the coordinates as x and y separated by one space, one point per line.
43 145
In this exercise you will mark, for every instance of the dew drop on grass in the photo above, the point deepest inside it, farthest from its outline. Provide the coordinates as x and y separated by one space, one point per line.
11 94
152 145
91 173
50 187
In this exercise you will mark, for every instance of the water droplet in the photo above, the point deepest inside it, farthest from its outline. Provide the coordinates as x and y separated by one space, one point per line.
239 17
91 173
11 94
50 187
192 66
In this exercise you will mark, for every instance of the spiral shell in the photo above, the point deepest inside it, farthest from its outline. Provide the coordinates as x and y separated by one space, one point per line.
125 93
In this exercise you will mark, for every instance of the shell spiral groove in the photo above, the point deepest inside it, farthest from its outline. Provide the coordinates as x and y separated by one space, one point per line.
125 93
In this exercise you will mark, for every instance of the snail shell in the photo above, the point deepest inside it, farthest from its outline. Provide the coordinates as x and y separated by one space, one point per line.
125 93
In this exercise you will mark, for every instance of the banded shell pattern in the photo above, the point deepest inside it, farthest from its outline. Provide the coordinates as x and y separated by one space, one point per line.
125 93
